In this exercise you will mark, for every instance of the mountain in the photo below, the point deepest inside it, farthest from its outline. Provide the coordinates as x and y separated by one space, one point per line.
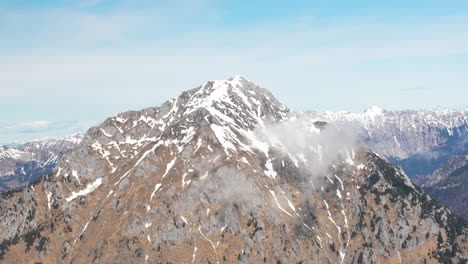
23 163
449 184
225 173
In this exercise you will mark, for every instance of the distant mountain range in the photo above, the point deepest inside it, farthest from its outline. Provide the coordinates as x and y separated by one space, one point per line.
26 162
403 134
423 143
225 173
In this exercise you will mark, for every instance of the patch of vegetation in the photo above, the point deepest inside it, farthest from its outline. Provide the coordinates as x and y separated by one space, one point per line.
373 179
29 238
440 239
361 258
31 214
332 247
361 223
455 226
6 244
10 193
42 243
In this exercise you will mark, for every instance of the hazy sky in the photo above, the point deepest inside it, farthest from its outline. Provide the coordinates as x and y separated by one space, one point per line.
66 65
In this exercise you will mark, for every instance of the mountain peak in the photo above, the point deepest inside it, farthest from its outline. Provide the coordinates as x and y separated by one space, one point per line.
237 77
235 96
374 110
234 82
225 111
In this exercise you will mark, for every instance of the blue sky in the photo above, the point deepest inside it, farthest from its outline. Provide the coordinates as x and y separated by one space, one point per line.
67 65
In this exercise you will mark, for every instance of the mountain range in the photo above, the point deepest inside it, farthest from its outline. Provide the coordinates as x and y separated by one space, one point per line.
23 163
226 173
403 134
423 143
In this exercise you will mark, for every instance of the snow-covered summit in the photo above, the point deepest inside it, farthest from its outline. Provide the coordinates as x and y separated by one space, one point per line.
235 96
223 110
373 111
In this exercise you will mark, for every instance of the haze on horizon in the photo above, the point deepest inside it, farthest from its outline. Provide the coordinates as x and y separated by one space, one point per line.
68 65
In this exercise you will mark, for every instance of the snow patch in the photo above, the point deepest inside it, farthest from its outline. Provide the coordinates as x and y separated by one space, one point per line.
270 172
277 203
168 167
49 194
89 188
75 174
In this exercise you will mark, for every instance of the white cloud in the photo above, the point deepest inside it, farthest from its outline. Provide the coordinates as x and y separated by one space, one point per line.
24 131
39 124
317 148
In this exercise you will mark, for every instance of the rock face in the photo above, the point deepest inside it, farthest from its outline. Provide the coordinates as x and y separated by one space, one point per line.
449 184
25 163
207 178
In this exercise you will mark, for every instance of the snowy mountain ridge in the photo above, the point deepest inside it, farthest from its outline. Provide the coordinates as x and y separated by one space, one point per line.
24 162
401 134
374 116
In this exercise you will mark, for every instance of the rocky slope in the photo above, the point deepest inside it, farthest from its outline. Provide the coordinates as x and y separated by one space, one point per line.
24 163
449 184
225 173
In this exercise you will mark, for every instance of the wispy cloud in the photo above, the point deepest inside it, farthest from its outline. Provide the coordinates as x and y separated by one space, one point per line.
26 127
23 131
415 89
